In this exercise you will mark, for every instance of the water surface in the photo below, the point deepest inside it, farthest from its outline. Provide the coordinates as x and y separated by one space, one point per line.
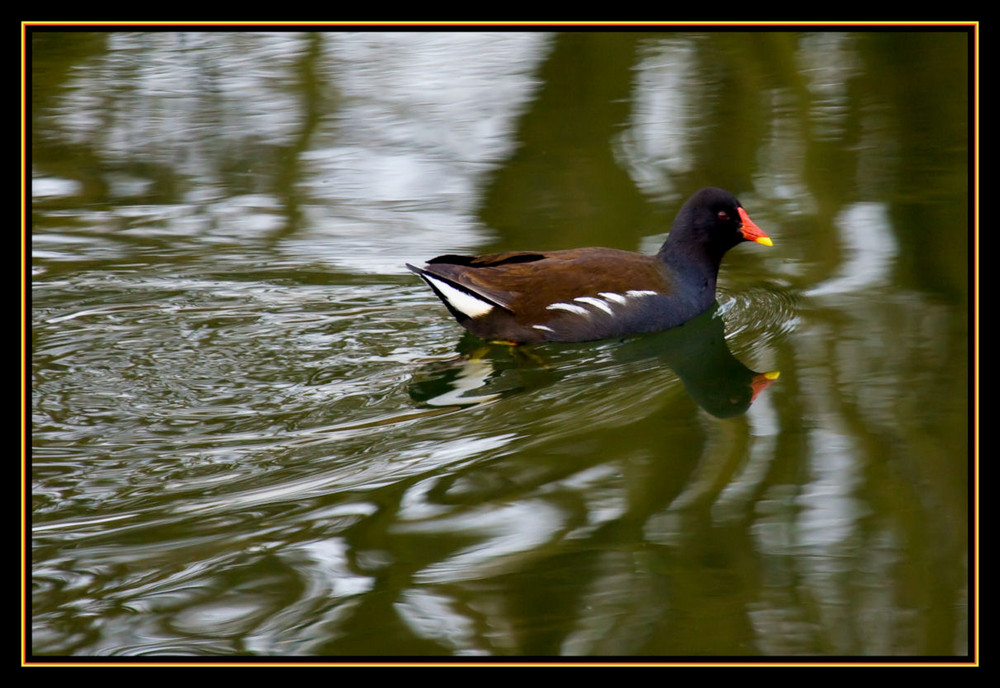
253 432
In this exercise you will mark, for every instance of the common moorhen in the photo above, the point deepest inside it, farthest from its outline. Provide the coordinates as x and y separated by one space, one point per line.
583 294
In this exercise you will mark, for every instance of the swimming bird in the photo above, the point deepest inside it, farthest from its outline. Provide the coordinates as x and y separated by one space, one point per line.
587 294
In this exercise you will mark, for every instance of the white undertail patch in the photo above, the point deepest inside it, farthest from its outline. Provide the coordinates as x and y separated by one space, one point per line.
461 301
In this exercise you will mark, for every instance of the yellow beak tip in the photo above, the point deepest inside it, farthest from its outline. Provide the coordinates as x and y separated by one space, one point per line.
764 240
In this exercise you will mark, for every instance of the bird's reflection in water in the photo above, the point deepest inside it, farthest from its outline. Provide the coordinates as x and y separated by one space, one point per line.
697 352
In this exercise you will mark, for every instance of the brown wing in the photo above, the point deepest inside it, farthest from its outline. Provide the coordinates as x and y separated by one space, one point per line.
526 283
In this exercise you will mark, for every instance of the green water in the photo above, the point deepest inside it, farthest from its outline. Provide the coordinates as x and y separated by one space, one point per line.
253 432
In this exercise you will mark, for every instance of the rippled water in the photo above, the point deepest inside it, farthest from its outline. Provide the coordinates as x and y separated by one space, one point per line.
253 432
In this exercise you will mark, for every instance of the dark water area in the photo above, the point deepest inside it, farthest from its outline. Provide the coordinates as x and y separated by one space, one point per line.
254 433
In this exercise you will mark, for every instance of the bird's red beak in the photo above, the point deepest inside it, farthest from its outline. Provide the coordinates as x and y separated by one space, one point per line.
760 382
752 232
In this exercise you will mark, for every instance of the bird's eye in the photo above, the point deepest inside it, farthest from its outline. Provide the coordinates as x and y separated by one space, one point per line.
723 216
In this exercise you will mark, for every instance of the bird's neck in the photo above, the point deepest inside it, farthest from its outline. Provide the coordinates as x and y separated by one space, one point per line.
689 256
694 269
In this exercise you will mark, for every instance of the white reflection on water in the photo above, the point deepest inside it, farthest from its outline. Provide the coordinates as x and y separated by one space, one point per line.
506 536
420 120
830 509
394 122
434 616
869 248
829 62
656 148
147 96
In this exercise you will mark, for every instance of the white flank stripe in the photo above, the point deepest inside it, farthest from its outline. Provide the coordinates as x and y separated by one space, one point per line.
571 307
632 293
597 303
460 300
612 296
543 327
